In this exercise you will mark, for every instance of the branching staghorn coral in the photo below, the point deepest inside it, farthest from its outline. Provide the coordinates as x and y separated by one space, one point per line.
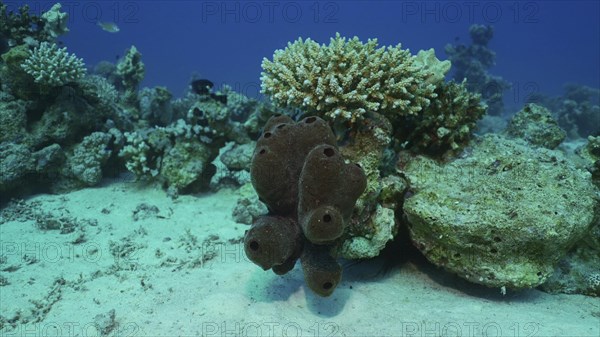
52 66
346 79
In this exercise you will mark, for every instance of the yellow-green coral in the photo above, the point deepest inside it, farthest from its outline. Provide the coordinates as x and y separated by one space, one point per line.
347 78
131 69
52 66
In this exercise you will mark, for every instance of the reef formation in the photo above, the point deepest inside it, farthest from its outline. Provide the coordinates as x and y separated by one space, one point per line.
67 125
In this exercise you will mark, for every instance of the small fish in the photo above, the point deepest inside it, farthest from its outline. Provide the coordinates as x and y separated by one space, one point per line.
110 27
202 86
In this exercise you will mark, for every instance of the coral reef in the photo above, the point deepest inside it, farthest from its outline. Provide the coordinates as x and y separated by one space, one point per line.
577 111
180 154
447 124
536 125
13 118
591 153
26 28
346 79
381 229
55 21
52 112
155 106
486 216
580 111
577 273
88 158
310 192
16 162
349 82
174 155
373 224
472 63
248 208
130 71
52 66
14 79
24 171
233 165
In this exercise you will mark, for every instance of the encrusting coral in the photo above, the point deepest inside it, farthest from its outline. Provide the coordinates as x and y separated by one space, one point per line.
310 192
346 79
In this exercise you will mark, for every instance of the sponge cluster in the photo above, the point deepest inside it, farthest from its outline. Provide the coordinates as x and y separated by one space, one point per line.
310 192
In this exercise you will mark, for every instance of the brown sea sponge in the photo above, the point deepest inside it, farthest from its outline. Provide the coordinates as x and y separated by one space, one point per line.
310 192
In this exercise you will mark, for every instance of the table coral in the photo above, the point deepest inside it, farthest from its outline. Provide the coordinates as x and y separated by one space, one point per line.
346 79
310 192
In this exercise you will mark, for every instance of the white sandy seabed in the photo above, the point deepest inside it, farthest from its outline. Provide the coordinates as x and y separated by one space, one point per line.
130 261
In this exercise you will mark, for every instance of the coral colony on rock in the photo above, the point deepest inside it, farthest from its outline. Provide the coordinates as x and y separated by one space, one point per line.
359 147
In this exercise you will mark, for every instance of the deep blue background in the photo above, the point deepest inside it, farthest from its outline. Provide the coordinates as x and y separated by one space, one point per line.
540 45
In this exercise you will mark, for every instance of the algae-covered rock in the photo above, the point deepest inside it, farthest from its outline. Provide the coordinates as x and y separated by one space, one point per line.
373 223
155 106
370 245
590 155
131 71
185 163
502 215
55 21
16 162
238 157
535 124
233 165
13 119
248 208
578 272
85 164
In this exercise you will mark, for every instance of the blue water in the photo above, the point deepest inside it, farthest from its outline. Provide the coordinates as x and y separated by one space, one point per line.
540 45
